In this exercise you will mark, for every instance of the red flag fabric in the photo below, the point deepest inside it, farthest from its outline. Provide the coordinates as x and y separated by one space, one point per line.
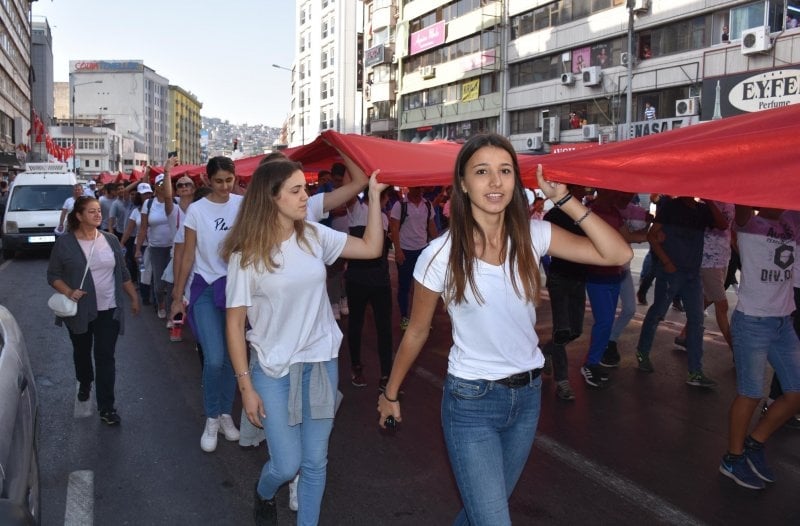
747 159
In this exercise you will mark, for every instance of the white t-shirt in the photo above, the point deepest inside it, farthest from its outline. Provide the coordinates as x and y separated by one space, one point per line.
160 232
211 222
414 230
358 215
716 242
289 311
494 339
68 205
793 217
315 208
136 217
768 250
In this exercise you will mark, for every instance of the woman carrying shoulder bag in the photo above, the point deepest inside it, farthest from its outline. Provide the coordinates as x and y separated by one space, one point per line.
99 319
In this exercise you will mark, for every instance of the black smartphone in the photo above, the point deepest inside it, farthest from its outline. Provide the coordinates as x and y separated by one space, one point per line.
172 154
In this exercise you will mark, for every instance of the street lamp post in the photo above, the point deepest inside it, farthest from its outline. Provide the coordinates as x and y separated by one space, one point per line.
300 103
74 144
629 88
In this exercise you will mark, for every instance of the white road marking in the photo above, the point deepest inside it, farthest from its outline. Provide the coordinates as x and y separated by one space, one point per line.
604 476
80 499
5 264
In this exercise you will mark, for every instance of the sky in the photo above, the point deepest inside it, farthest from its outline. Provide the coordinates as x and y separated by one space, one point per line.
221 51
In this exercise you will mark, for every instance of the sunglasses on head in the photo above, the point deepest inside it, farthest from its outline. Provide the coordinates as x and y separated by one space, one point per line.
183 185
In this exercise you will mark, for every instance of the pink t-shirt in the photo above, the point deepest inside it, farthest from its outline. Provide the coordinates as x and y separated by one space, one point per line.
101 265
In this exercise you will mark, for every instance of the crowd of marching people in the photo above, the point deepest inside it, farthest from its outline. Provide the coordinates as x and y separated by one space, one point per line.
264 276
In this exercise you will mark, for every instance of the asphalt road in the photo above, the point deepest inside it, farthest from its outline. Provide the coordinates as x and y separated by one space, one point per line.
645 450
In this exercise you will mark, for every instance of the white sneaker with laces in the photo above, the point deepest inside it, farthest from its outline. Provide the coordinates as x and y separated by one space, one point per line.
343 307
208 442
228 428
293 493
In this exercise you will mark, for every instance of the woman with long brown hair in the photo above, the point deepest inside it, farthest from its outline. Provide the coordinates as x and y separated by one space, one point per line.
276 282
486 270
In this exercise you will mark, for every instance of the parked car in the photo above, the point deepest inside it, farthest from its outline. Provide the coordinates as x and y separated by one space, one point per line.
19 465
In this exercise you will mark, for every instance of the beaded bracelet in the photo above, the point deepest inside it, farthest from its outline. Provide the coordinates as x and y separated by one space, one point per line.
561 202
242 374
584 216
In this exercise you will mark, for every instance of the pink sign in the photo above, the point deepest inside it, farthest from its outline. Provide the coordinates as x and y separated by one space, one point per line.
427 38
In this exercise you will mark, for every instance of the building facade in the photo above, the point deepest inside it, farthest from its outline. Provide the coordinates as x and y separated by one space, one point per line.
42 86
15 87
326 75
98 149
184 125
61 101
128 93
544 72
380 67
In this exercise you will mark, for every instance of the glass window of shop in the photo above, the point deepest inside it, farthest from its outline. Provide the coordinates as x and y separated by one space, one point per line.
453 51
489 83
454 131
446 12
557 13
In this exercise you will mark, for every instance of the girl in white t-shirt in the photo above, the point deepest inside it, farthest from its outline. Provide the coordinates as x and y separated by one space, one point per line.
276 281
206 224
486 269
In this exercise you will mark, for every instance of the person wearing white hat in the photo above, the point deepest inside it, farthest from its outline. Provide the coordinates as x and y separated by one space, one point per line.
160 232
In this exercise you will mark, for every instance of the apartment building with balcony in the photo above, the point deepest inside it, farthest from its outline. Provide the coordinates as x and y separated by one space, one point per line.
568 65
380 67
15 85
450 58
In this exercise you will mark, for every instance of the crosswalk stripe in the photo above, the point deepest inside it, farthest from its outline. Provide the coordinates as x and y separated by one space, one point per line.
80 499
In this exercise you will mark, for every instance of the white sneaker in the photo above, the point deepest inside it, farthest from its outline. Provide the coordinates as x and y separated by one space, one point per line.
169 324
337 313
228 428
293 493
345 310
162 313
208 442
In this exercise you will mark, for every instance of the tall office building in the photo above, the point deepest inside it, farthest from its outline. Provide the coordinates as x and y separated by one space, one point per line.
380 67
127 92
42 86
15 87
326 77
184 124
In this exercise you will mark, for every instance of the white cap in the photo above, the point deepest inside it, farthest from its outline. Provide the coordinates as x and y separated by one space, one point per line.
144 188
159 178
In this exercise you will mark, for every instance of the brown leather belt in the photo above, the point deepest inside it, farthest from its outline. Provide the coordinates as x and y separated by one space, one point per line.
519 380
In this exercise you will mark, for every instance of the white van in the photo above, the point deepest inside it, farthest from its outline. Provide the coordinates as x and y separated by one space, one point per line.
33 210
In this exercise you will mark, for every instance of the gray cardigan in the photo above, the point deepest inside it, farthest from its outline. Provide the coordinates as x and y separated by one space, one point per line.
67 263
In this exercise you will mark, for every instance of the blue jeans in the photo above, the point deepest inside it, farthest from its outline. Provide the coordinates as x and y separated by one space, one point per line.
303 447
219 385
687 285
489 430
627 299
405 277
603 298
757 340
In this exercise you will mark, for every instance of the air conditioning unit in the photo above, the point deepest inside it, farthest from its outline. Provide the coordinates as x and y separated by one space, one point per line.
640 6
567 79
623 59
592 76
551 129
591 131
534 142
756 40
687 107
427 72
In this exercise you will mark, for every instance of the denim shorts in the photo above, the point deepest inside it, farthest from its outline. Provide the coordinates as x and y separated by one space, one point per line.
761 339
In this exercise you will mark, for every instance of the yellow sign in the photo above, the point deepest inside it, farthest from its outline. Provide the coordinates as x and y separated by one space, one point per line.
470 90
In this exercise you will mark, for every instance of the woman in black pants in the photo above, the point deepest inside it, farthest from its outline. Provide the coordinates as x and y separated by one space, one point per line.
368 282
87 266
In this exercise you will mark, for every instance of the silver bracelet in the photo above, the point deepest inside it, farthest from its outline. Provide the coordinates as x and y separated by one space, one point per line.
242 374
